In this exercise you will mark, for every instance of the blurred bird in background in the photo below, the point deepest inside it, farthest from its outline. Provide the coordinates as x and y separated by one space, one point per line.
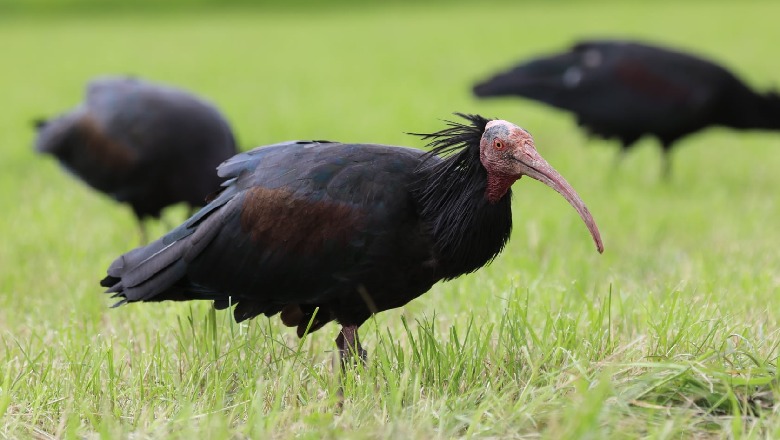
625 90
144 144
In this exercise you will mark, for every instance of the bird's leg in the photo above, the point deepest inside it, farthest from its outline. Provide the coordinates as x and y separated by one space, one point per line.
348 344
666 164
620 157
143 234
617 161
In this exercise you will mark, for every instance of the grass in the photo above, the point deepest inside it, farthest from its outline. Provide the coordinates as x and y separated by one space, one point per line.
672 333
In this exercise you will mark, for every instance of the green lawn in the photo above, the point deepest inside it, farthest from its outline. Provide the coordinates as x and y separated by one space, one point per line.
672 332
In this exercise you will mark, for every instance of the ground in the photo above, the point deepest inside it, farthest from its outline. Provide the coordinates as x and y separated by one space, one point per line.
672 332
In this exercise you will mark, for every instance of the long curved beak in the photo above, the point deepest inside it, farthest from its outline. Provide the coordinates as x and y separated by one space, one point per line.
535 167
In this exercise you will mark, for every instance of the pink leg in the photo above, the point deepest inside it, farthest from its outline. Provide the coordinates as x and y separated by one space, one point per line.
348 343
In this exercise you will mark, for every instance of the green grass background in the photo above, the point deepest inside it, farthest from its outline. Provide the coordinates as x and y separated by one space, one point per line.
671 333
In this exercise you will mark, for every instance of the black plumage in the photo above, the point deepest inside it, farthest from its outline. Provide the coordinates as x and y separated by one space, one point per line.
347 230
626 90
145 144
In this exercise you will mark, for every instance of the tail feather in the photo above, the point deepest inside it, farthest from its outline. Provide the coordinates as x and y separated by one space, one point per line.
151 286
158 271
153 264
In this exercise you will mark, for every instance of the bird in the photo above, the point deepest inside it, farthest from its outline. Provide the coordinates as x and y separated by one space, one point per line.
145 144
320 231
628 89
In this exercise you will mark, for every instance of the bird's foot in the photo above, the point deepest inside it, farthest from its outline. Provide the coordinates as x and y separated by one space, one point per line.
350 350
350 354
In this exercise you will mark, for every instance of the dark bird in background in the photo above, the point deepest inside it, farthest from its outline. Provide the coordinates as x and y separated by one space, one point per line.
321 231
145 144
626 90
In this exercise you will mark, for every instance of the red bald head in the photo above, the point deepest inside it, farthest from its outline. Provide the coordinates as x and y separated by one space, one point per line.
507 152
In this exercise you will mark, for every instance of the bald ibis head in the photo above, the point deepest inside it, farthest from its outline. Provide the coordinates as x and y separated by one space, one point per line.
508 152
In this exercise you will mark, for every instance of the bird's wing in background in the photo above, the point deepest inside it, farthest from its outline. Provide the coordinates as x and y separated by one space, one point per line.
125 110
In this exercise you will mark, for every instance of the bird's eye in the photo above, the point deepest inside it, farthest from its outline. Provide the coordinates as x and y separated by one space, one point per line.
498 145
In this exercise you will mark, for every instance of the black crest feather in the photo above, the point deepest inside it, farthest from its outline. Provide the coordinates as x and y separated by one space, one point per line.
456 136
450 192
